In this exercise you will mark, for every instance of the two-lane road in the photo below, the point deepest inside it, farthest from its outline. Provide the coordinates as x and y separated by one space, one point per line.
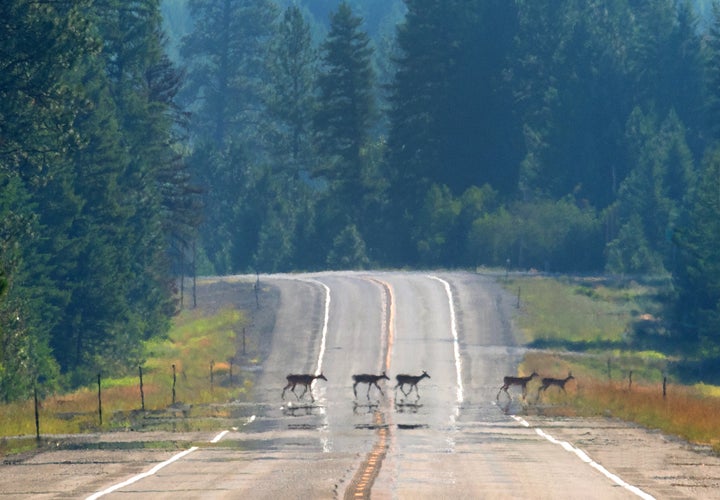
451 442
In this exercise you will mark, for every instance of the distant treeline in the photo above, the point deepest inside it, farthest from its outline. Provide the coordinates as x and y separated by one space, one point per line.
277 136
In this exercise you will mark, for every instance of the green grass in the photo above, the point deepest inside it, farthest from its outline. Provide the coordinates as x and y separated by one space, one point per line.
194 343
586 327
578 310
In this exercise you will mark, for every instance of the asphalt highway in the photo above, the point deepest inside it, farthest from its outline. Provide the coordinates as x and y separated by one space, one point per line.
447 438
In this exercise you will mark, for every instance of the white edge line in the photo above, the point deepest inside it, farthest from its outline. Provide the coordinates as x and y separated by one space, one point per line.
134 479
159 466
323 341
456 345
585 458
326 443
219 436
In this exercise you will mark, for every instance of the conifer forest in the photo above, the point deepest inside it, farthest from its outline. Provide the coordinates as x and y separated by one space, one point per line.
146 140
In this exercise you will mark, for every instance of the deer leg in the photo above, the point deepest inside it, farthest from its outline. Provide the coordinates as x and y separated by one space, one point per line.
303 393
379 389
285 389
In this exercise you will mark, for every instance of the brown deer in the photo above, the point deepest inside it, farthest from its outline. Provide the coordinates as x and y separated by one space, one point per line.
411 380
559 382
370 380
301 379
520 381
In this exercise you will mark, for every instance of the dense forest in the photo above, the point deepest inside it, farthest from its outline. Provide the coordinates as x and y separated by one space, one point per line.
142 141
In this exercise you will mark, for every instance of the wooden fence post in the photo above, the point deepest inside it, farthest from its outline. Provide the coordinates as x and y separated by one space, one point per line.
37 414
142 392
173 386
99 399
257 290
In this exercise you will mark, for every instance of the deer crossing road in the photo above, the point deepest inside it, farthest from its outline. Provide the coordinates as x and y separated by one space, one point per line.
450 438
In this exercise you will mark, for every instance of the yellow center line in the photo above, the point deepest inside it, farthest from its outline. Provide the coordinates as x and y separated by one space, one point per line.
368 471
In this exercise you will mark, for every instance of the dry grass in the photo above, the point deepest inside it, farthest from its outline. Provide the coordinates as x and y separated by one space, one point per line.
194 344
689 412
683 412
591 314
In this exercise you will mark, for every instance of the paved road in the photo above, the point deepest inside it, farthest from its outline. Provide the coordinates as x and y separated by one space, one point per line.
449 440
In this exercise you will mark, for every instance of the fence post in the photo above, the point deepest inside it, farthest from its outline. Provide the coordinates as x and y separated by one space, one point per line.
630 380
257 290
99 399
37 414
173 386
212 365
142 392
664 386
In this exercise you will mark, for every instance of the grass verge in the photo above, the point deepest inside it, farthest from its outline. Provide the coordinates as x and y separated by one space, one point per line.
201 348
587 327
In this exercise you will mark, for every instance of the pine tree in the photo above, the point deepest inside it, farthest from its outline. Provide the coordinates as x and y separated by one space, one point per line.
451 117
344 120
657 189
346 102
290 100
712 48
226 56
698 276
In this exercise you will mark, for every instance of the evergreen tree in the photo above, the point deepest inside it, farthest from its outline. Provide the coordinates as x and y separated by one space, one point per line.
698 276
227 55
344 120
25 356
348 250
93 283
656 191
451 116
42 96
290 100
712 52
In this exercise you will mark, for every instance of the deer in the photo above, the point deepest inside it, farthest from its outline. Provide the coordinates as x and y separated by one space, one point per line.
509 381
559 382
411 380
370 380
301 379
